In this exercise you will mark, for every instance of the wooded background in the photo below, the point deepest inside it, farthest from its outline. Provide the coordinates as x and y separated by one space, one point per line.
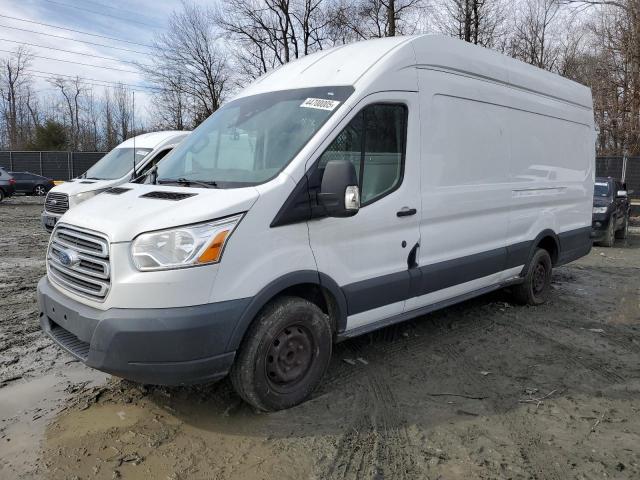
209 52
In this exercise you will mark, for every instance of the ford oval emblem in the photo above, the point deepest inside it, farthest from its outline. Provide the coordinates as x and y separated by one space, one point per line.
68 258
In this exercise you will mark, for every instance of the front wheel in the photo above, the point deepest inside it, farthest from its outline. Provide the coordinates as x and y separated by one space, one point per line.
284 355
40 190
610 234
1 194
534 290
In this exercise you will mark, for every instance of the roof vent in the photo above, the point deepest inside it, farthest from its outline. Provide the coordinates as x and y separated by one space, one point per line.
175 196
117 190
84 181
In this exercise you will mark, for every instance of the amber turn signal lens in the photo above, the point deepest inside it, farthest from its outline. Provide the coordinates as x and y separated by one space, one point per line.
214 250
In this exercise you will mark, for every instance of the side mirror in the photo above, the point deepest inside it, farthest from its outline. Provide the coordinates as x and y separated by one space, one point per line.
339 191
621 194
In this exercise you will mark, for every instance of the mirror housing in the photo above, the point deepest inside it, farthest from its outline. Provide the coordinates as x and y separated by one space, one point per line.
339 191
621 194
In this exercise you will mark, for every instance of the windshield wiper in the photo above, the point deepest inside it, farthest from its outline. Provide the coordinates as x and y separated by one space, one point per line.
186 182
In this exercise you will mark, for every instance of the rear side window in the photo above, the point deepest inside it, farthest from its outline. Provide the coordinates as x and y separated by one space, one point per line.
374 141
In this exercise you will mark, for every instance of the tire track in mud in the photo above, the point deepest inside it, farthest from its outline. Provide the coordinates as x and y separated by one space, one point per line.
377 444
522 432
570 355
620 336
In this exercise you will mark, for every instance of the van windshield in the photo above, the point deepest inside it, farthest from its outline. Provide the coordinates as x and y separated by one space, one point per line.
601 189
116 163
250 140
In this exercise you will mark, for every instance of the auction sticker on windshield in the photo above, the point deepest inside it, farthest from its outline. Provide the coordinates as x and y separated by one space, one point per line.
320 103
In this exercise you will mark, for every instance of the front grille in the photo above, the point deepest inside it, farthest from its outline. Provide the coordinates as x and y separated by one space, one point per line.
70 342
89 272
56 202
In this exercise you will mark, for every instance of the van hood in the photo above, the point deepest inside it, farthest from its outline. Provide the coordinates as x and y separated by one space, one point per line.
81 185
125 215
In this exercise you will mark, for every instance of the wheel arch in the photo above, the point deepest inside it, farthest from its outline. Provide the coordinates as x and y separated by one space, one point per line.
549 241
314 286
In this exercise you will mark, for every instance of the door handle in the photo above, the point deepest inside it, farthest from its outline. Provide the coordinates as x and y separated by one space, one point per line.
407 212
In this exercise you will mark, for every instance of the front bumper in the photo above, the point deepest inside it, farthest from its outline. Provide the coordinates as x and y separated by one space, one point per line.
599 226
164 346
49 220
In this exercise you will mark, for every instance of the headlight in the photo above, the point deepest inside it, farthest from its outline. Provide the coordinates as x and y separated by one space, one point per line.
186 246
84 196
599 209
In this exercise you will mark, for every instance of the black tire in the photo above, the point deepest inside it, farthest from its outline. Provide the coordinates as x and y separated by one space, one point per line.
610 235
40 190
622 233
1 194
537 281
273 375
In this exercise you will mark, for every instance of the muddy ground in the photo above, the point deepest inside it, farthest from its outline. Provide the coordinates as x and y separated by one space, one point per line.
485 389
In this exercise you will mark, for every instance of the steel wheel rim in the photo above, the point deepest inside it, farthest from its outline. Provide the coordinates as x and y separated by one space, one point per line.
40 191
289 356
539 278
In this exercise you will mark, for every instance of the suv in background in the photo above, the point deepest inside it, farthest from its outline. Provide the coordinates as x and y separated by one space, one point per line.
611 208
32 184
7 184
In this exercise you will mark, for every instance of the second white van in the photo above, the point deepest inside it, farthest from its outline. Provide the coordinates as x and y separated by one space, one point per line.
132 159
351 189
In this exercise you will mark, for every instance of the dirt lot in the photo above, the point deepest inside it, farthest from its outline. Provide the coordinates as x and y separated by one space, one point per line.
485 389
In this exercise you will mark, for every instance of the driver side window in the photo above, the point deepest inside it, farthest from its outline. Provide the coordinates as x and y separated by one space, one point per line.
374 141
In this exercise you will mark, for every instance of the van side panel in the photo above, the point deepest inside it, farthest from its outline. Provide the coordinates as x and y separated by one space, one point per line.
551 170
465 194
500 165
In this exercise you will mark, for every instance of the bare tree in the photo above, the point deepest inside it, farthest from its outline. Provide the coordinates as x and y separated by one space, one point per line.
189 66
531 41
71 91
614 73
475 21
123 111
15 94
365 19
108 122
273 32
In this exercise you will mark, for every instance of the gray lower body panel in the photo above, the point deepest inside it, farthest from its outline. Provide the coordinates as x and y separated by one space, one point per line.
164 346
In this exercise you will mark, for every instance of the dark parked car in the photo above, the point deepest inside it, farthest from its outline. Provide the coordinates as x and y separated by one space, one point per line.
32 184
7 184
611 208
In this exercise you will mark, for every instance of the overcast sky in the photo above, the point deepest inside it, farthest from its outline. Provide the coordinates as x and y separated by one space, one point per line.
133 20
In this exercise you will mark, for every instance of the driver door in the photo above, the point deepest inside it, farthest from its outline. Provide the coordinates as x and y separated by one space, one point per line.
369 254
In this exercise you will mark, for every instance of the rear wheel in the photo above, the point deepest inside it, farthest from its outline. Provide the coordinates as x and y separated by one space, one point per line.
537 281
622 233
40 190
284 354
1 194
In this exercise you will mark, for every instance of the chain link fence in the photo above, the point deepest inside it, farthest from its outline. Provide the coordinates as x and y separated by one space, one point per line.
67 165
55 165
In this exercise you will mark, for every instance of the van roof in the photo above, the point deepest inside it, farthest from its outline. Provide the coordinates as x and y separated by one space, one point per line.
153 139
361 63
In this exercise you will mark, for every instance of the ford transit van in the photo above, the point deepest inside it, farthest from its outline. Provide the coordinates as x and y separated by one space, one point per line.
349 190
131 159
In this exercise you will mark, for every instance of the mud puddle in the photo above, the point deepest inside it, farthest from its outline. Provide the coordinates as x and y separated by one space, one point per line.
27 406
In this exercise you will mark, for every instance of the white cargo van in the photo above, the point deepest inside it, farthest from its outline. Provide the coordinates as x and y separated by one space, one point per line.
351 189
116 167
